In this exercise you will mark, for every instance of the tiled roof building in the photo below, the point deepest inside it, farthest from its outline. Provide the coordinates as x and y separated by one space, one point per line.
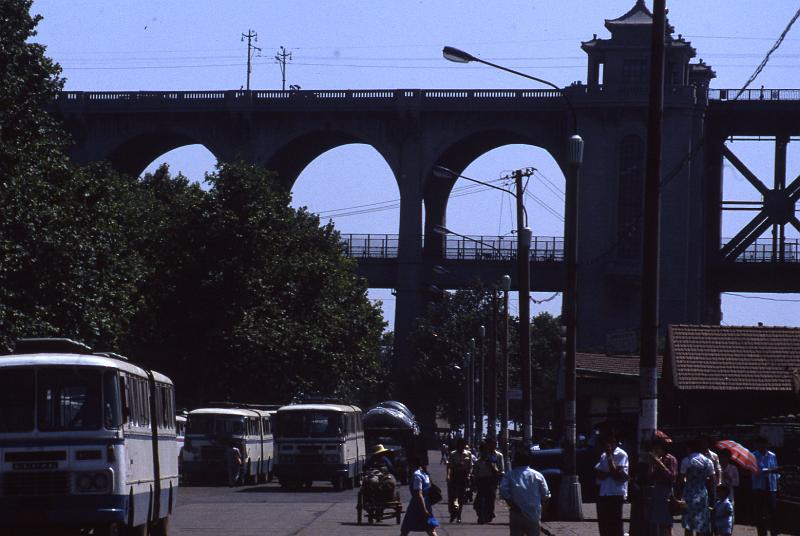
730 374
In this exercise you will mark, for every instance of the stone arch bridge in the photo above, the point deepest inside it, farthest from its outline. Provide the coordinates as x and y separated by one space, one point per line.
415 130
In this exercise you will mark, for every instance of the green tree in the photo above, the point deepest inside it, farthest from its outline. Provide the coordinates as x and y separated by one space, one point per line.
441 343
68 263
257 298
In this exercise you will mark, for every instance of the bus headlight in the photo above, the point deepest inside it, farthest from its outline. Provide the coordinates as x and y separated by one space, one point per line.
84 482
100 482
92 482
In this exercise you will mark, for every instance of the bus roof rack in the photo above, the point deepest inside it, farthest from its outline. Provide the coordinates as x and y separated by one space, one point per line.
112 355
50 345
242 405
317 398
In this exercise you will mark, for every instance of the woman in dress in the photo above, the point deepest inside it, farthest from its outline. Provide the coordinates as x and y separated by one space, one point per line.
697 475
419 514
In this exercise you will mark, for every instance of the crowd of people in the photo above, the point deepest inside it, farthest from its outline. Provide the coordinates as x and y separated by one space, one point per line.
700 489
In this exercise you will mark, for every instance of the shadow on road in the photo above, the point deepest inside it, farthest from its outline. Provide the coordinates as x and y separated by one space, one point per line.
275 489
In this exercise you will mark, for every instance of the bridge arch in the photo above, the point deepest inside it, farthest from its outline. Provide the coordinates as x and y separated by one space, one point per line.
297 153
461 154
133 155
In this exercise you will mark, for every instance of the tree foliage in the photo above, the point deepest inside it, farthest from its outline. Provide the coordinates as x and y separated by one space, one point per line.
442 342
256 295
230 291
67 261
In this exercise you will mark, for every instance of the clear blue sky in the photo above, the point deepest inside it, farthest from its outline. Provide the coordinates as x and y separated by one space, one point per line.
167 44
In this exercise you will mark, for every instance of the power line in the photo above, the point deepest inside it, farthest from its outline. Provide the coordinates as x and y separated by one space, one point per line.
769 53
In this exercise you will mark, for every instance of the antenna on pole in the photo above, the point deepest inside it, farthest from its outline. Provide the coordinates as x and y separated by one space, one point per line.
251 36
281 58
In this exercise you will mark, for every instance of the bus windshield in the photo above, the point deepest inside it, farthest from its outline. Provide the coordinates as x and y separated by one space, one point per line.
205 424
68 399
310 423
56 398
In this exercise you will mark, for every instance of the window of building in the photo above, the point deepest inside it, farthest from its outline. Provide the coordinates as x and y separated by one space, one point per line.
634 71
631 197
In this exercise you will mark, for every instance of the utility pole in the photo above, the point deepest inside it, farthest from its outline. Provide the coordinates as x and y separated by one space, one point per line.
281 58
491 431
481 389
251 36
506 284
524 277
648 387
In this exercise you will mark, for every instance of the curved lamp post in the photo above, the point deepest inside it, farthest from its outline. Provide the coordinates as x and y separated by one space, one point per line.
570 502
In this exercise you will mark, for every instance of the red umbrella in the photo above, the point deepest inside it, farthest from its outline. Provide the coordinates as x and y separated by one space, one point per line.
663 436
740 455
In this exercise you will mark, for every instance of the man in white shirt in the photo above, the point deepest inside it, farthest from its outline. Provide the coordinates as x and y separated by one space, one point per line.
612 476
525 490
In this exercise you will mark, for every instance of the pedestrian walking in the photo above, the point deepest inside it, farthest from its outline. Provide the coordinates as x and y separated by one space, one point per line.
459 467
444 452
697 479
234 464
723 512
730 474
765 488
612 475
485 475
663 472
526 492
419 514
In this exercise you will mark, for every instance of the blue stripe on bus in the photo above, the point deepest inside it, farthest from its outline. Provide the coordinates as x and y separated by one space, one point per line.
77 441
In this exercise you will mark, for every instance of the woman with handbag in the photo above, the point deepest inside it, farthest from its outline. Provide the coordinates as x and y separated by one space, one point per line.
419 514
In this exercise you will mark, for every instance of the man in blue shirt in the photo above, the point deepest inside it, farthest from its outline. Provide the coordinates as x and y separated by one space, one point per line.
765 488
525 490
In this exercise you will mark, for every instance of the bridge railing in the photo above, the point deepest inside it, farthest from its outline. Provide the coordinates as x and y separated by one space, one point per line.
482 248
761 251
754 94
300 96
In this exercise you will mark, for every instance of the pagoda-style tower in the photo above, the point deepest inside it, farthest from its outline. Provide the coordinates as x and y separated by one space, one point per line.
613 122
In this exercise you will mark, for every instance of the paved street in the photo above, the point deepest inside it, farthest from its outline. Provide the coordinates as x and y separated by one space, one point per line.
269 510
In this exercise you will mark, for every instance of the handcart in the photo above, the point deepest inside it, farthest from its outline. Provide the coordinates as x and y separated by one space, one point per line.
378 498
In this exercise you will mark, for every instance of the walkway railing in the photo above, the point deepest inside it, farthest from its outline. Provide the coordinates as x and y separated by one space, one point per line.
754 94
761 251
486 248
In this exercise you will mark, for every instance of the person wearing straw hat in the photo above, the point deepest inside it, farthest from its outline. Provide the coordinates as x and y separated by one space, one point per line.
379 459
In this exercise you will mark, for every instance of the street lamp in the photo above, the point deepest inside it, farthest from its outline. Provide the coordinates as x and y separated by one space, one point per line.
570 506
524 277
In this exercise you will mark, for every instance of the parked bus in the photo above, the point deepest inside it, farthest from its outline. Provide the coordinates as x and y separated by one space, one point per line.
319 441
87 441
212 432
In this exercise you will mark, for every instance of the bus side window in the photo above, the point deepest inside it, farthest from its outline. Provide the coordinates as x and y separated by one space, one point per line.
265 426
123 395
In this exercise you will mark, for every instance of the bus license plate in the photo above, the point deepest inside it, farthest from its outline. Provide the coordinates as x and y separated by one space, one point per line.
34 466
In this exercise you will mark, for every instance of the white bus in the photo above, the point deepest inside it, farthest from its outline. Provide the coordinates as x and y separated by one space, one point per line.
319 442
87 441
212 432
